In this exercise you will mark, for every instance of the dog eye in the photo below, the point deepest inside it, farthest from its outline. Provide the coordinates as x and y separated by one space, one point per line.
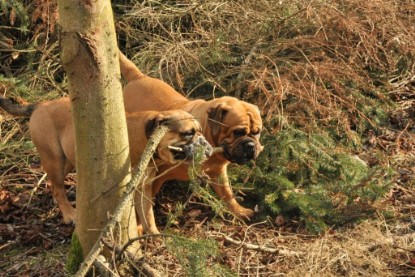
190 133
255 133
240 132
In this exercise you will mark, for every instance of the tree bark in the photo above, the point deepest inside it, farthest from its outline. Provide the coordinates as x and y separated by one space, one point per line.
89 54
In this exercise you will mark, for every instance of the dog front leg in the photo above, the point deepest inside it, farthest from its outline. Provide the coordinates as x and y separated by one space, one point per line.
221 186
144 206
58 192
57 170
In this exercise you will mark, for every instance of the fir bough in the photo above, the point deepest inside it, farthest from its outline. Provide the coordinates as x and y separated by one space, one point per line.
194 255
308 175
16 13
199 183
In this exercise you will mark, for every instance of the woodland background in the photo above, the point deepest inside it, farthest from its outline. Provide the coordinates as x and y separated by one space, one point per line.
335 82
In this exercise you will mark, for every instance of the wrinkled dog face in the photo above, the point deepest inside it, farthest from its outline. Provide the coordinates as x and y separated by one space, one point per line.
184 133
236 127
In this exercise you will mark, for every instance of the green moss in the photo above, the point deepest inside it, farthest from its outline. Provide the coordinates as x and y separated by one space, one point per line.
75 256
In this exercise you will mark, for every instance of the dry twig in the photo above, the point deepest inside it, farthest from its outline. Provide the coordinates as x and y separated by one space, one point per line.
262 248
145 267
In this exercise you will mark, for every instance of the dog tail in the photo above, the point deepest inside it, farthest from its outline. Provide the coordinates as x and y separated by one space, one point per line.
15 109
128 69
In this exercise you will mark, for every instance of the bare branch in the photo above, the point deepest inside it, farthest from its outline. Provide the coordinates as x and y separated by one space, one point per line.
262 248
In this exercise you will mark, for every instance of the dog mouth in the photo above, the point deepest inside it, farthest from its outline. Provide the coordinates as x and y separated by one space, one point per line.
178 153
242 153
228 156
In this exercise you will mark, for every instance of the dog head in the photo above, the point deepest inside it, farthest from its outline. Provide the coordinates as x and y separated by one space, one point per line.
183 136
236 127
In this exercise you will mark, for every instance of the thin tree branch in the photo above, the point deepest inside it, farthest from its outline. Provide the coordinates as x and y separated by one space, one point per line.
103 267
262 248
145 268
145 236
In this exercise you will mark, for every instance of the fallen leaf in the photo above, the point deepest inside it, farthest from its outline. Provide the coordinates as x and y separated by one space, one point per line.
194 213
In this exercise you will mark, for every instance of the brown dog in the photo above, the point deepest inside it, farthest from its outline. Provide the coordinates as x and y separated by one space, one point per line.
227 122
52 132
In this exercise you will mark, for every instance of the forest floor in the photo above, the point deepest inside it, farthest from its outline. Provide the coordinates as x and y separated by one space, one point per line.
34 241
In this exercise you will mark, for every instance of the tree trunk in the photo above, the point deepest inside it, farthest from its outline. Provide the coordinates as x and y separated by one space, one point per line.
89 54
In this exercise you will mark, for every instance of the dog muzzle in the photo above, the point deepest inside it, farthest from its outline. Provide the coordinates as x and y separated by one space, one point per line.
242 153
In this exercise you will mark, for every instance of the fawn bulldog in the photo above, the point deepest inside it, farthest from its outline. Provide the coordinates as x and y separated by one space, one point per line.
52 132
227 122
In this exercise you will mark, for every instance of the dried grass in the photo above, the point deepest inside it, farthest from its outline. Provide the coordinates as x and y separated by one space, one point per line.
304 62
371 248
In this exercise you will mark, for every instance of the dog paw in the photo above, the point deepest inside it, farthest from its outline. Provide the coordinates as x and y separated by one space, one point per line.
238 210
245 213
140 230
242 213
69 219
69 216
153 231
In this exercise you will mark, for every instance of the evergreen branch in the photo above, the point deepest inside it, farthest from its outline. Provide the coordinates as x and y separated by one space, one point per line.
125 200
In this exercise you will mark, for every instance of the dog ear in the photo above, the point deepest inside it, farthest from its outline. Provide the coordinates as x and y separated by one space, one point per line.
152 124
215 117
